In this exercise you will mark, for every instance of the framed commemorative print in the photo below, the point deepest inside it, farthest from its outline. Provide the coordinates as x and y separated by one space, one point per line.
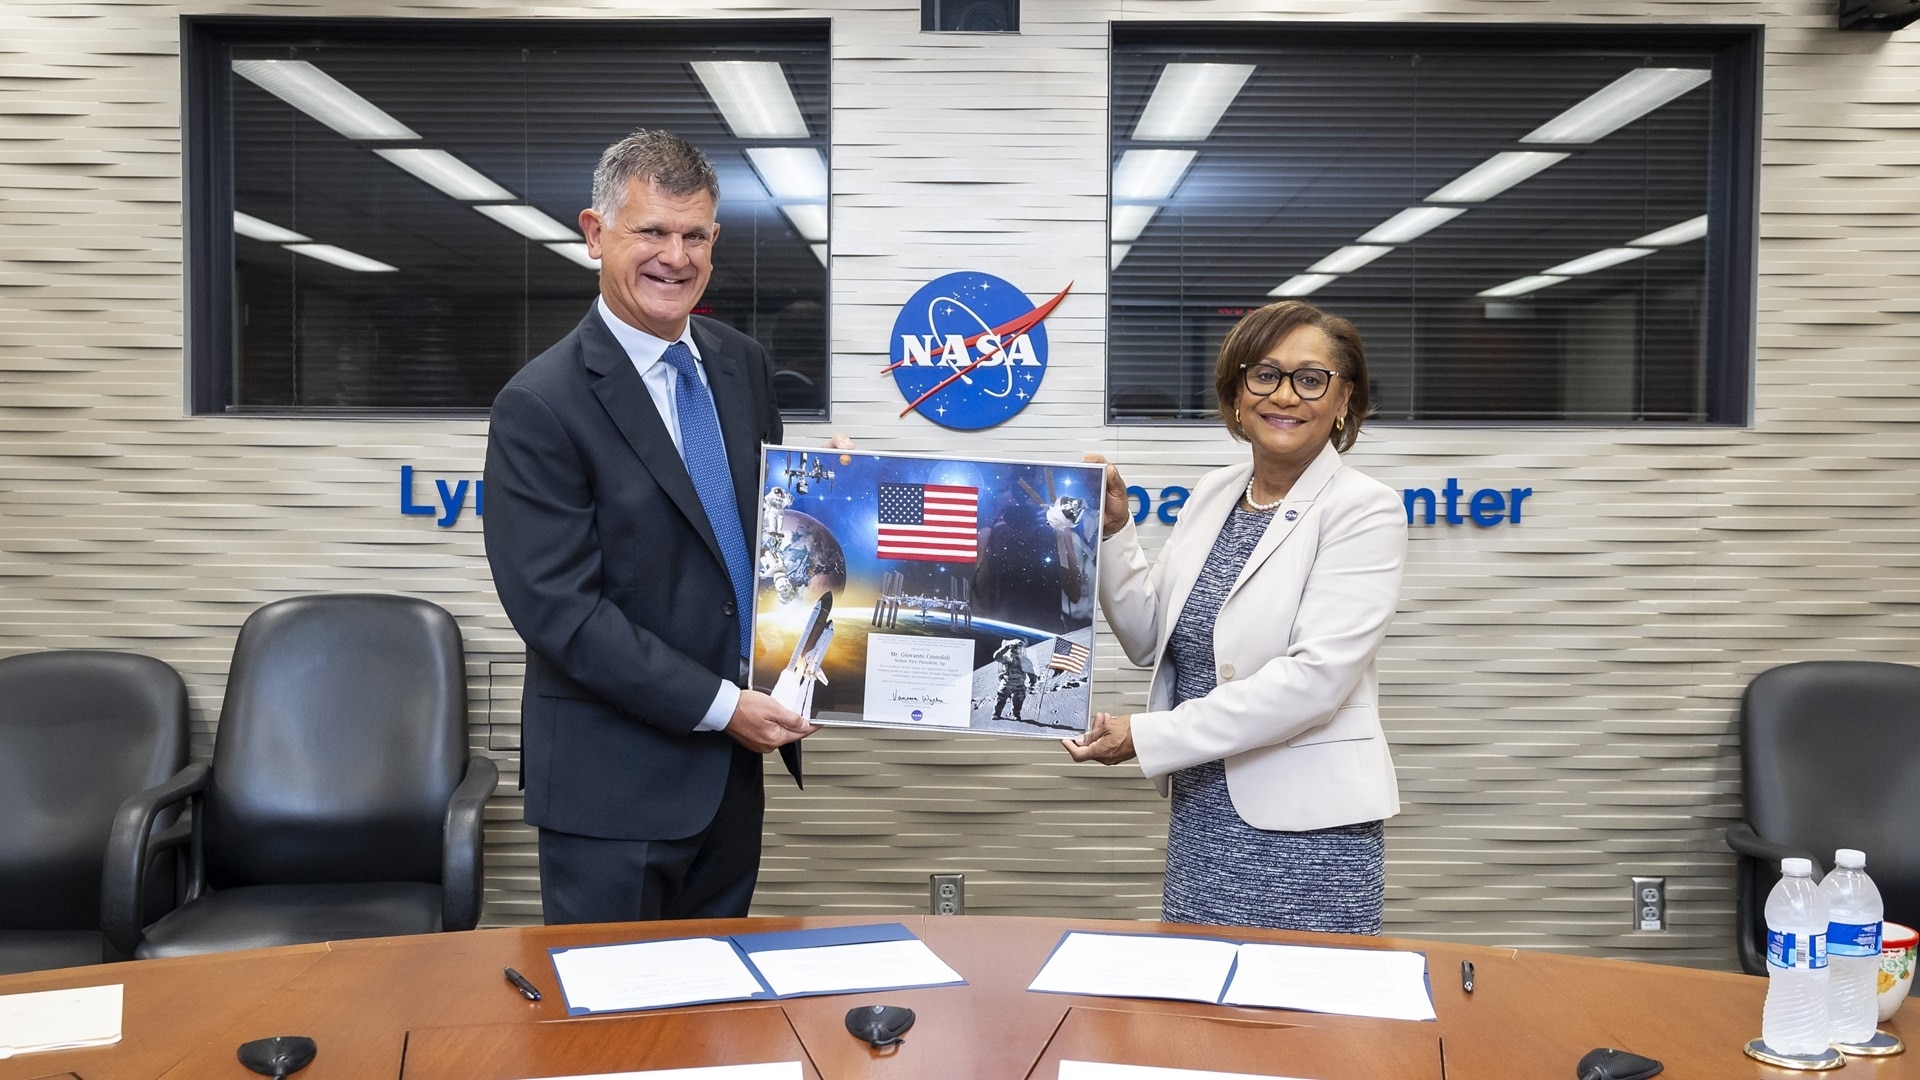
908 591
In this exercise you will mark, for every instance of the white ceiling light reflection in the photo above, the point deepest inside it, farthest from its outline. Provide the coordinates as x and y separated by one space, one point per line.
322 97
754 97
1674 235
1303 284
1189 100
254 228
1521 286
1149 175
1599 260
820 252
1130 221
576 253
809 220
1348 259
1495 175
448 174
528 222
1618 104
791 172
1117 252
341 257
1411 224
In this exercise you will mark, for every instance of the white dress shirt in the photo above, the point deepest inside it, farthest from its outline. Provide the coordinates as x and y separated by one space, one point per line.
663 381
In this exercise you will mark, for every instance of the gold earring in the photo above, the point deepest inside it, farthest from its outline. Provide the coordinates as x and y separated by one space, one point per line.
1338 423
1236 416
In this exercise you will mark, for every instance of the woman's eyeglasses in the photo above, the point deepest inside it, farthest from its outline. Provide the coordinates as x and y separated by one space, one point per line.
1309 383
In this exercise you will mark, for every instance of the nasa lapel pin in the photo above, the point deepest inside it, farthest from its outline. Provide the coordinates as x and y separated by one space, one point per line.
1292 514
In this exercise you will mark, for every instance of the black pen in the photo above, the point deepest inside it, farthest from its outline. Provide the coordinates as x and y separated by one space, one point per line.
1466 975
530 991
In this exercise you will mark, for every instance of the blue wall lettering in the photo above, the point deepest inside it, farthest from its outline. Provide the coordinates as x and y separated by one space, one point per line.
1171 500
407 505
1487 506
453 499
1413 495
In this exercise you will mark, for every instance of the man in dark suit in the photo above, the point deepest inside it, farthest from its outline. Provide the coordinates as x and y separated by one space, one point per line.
622 474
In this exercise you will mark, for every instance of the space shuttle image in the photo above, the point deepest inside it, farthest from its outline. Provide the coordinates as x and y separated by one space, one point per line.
794 689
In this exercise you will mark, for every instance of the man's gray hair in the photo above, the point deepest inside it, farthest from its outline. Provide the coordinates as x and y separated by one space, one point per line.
669 162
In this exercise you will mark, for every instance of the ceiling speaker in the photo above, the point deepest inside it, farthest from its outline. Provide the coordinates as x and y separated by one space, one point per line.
973 16
1883 15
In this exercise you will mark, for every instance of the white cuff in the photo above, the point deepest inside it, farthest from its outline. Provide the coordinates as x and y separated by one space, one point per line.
721 711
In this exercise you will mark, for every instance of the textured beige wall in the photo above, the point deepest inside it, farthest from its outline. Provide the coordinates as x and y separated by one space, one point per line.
1559 694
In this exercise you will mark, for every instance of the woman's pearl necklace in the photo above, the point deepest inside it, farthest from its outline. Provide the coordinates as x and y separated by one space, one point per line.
1257 504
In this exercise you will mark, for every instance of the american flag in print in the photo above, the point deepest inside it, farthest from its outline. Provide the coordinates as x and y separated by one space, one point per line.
1069 656
929 522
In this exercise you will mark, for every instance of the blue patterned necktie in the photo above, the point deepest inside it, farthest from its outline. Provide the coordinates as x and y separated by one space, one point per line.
706 458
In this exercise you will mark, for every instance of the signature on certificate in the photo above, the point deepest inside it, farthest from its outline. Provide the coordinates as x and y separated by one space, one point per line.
919 699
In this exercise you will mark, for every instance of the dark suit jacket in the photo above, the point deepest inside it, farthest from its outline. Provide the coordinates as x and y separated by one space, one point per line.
609 570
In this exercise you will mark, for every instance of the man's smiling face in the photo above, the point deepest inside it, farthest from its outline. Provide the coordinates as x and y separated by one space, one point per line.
656 256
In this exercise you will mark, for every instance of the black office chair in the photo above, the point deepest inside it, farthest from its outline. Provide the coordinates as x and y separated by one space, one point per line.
80 731
340 802
1829 758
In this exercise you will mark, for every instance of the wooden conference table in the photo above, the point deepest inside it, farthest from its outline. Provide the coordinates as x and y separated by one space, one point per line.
438 1008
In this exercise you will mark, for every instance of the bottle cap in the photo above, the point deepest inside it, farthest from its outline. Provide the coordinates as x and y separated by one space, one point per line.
1849 858
1796 867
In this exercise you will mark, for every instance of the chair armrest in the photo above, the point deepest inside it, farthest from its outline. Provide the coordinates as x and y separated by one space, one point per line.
463 871
173 836
1743 840
130 847
1749 926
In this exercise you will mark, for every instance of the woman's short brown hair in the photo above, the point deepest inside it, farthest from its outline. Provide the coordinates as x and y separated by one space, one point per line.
1253 337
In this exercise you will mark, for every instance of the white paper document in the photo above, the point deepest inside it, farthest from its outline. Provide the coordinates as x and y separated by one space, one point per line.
653 974
1095 1070
1353 982
60 1019
1128 965
773 1070
865 966
919 680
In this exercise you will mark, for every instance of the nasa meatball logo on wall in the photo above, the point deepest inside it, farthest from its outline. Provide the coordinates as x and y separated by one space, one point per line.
969 350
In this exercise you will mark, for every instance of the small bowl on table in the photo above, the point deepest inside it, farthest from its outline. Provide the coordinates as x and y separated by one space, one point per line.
1898 945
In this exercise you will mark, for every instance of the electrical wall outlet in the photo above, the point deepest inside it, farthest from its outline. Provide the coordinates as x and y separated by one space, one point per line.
946 894
1649 903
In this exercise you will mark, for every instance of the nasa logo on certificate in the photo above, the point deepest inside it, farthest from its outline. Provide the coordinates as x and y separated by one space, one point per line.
969 350
905 591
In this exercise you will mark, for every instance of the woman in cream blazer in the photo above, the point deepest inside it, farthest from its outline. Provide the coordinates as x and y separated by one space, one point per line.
1262 619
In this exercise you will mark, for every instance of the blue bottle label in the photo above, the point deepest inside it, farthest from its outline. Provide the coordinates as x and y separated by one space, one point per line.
1853 939
1787 951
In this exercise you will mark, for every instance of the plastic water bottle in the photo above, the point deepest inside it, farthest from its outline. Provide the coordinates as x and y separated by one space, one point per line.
1794 1020
1854 912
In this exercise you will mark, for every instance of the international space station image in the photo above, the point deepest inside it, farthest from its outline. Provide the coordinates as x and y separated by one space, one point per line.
894 595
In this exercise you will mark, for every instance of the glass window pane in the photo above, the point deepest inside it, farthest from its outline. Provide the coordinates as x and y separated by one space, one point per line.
410 231
1404 186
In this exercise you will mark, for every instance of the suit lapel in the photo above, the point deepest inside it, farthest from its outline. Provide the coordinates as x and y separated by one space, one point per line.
1305 491
624 395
